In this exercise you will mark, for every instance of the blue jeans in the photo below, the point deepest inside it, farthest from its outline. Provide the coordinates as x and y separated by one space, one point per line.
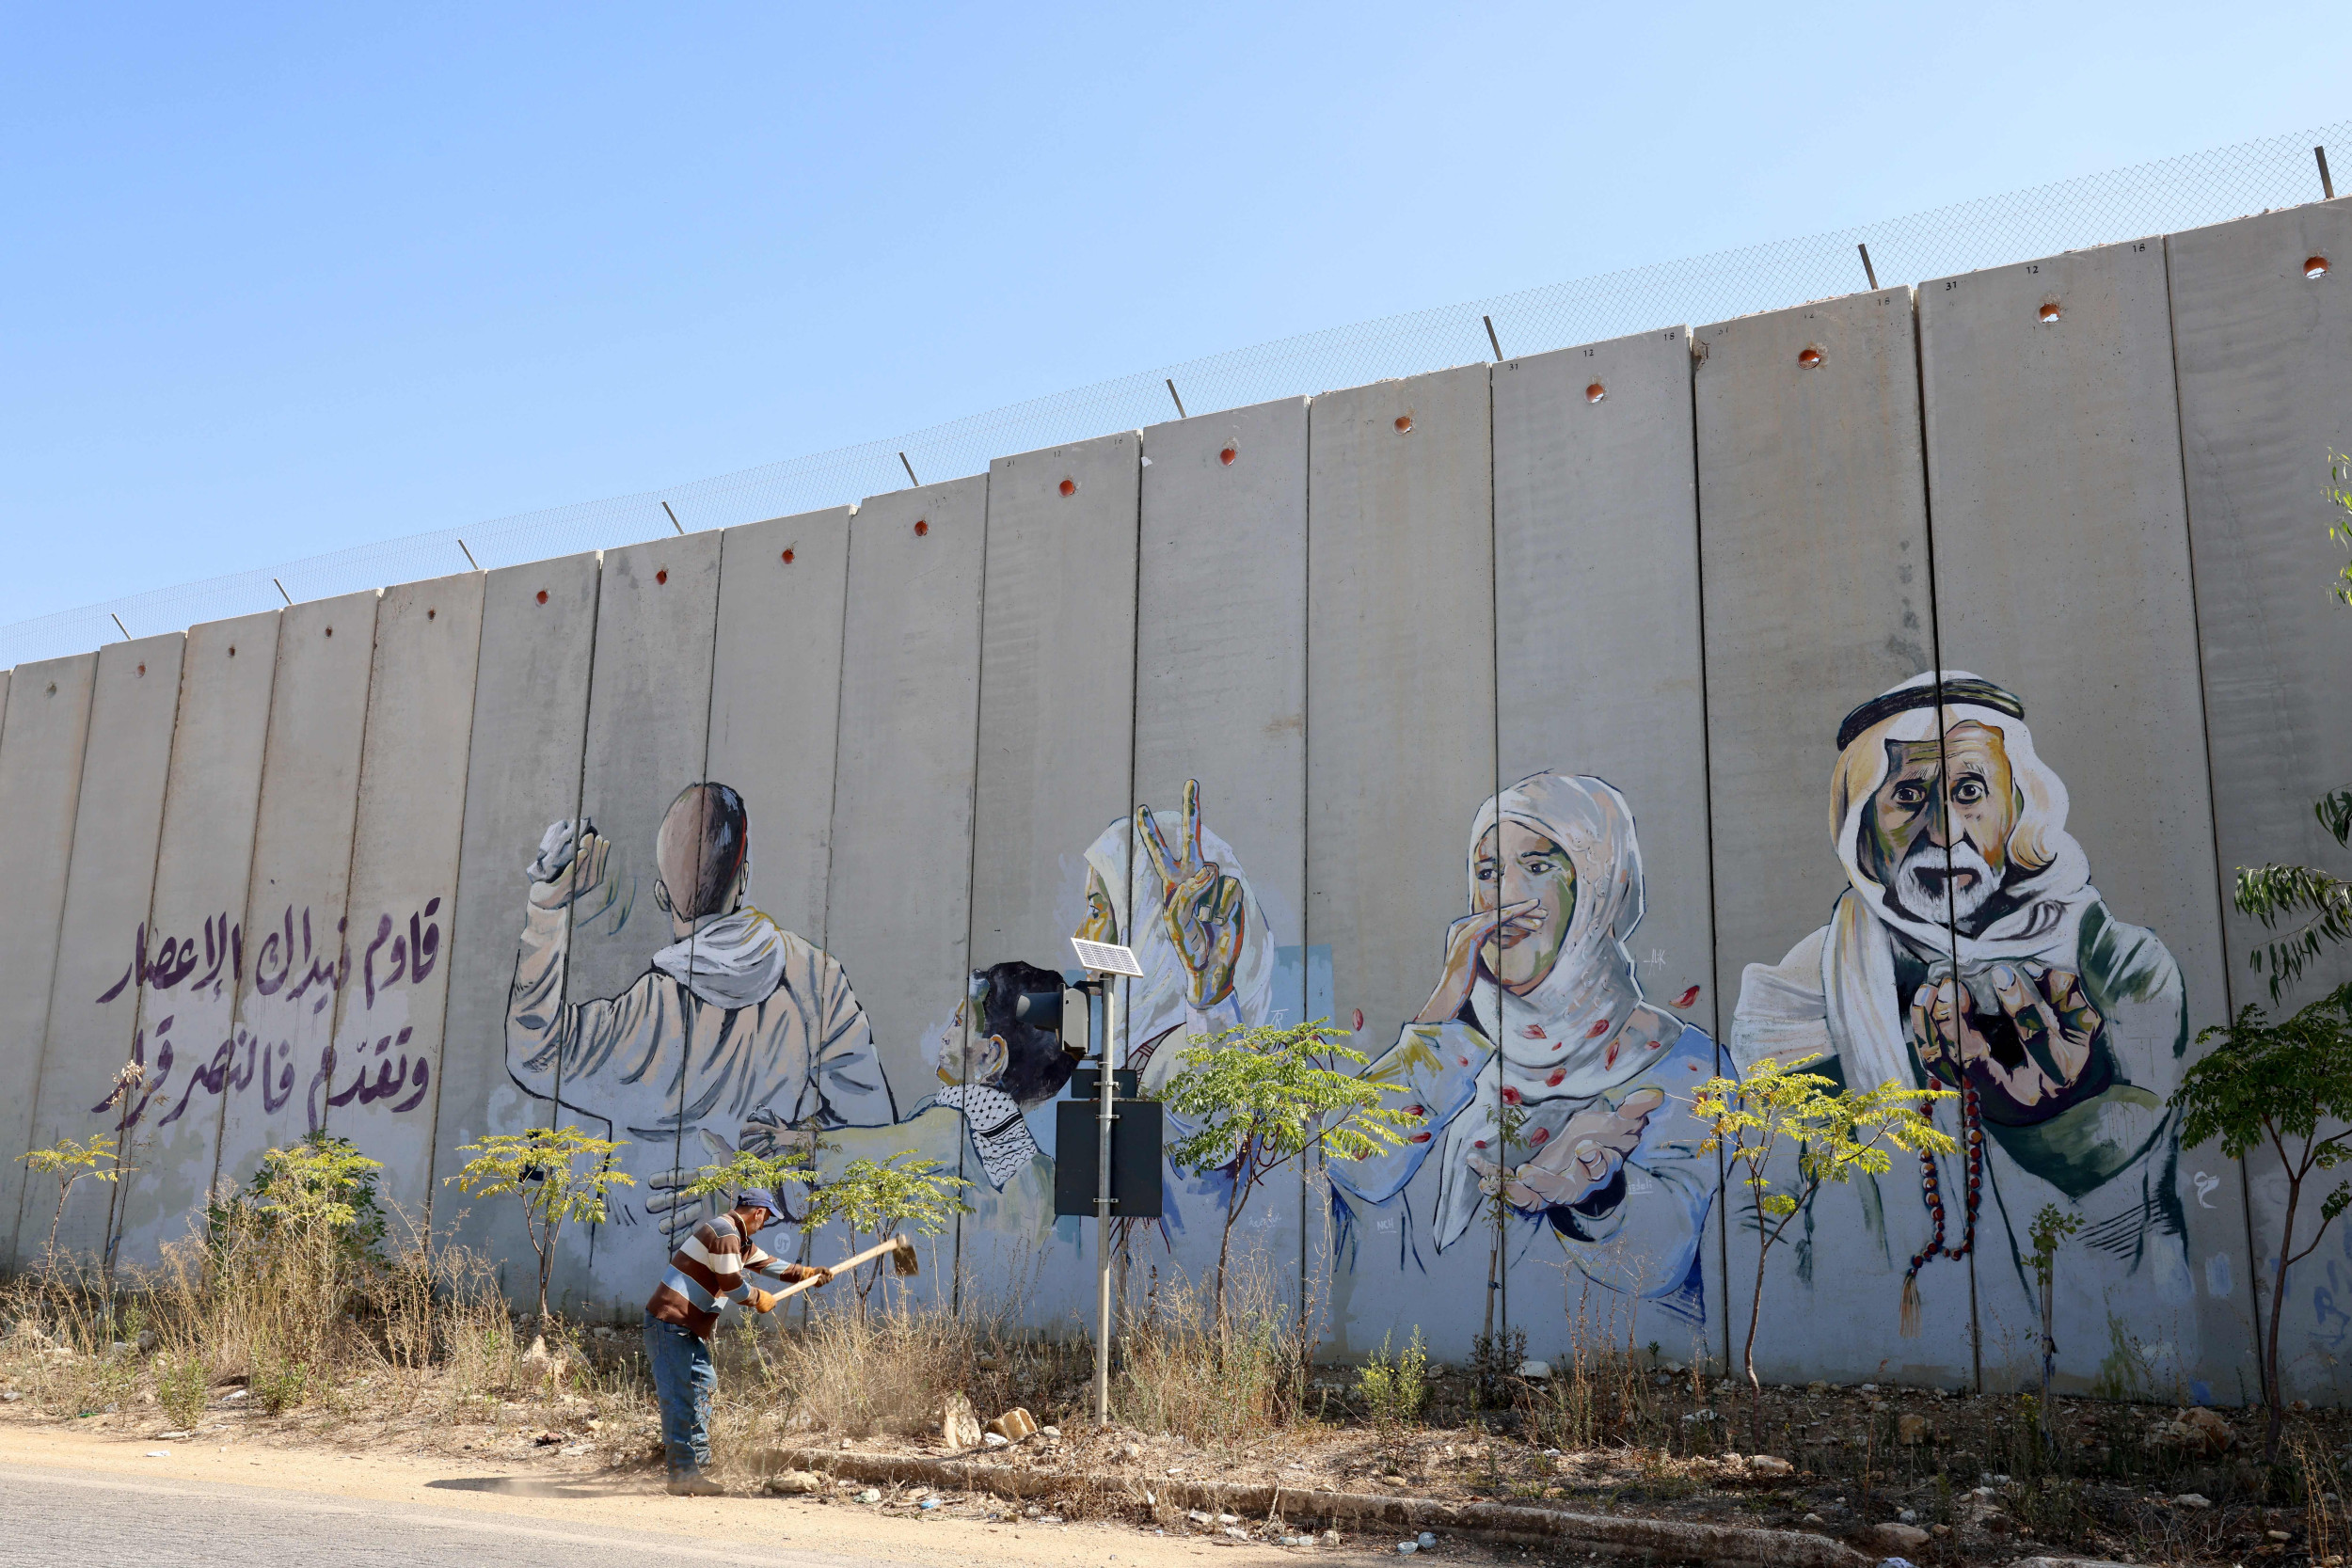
684 1377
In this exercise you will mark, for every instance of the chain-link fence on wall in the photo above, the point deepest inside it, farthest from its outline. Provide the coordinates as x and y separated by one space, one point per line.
2147 199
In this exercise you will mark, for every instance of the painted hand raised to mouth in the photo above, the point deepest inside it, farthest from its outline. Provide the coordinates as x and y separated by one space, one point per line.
2052 1014
1581 1157
1202 908
1505 926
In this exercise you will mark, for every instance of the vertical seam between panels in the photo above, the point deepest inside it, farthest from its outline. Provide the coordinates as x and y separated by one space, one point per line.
457 879
1707 777
1935 657
2213 815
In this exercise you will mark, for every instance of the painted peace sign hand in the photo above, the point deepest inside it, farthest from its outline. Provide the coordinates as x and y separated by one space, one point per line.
1200 907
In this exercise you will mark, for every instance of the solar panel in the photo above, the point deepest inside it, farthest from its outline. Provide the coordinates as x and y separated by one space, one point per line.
1104 959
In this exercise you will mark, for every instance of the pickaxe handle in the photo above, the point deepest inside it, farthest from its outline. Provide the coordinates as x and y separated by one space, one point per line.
876 1250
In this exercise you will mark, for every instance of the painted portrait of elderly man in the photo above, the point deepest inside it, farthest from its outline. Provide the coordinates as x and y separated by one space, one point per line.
1538 1009
1969 951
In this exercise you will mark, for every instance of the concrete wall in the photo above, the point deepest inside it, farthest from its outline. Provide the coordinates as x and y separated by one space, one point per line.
2263 357
1624 597
95 1029
403 880
1599 676
40 777
203 864
297 950
1400 756
1814 581
2062 575
1222 710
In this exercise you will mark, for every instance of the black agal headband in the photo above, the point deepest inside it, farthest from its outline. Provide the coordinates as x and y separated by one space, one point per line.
1976 693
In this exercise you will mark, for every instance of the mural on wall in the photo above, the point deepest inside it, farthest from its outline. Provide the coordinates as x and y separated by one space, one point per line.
301 968
1979 959
737 1032
1537 1016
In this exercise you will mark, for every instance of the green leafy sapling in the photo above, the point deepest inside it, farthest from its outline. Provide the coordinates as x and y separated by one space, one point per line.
2051 1226
69 1161
874 1198
1263 1097
2274 1085
1836 1135
560 1174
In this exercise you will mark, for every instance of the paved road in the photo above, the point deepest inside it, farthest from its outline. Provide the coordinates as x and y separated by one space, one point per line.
52 1515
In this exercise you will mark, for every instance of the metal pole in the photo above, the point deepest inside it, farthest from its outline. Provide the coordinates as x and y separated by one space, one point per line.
1103 1208
1867 270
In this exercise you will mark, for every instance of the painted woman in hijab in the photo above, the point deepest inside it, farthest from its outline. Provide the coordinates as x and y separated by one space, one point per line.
1538 1020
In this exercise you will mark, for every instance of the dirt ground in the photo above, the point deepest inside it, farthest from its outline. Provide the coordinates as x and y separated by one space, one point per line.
2146 1484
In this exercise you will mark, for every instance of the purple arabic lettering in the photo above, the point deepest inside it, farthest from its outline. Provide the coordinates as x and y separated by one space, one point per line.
367 962
425 942
274 1102
420 1075
263 984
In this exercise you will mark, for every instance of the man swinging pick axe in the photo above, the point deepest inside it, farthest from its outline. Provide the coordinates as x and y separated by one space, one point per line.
706 1272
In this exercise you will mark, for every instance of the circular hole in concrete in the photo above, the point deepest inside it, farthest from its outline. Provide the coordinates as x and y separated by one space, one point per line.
662 575
142 668
2049 313
232 650
2315 266
1404 423
543 596
785 558
430 613
331 631
1227 456
52 688
1069 486
922 528
1595 392
1810 357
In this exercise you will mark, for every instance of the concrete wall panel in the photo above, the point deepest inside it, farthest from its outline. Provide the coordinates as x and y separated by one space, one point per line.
649 734
1056 736
2062 575
196 948
2264 353
897 904
1221 700
1813 551
297 949
41 737
404 880
530 723
1599 674
94 1024
775 696
1400 756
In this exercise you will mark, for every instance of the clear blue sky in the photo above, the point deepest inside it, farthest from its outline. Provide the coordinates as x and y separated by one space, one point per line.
280 280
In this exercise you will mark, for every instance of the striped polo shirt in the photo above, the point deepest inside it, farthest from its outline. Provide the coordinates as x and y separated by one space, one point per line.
707 1271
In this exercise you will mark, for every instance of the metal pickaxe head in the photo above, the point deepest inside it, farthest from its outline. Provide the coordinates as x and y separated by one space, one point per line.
902 1257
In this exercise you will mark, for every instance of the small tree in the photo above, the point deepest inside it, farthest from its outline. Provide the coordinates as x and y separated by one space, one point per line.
1262 1098
881 1197
2051 1226
2274 1083
322 1187
1835 1134
558 1175
68 1160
